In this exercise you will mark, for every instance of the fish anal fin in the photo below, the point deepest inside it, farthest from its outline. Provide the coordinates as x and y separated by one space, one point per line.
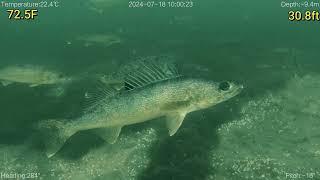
109 134
174 121
6 83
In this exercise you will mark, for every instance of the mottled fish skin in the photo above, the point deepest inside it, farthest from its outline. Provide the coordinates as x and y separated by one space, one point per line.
150 92
156 100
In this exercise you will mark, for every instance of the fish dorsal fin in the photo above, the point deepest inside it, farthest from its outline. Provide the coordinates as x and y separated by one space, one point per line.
97 96
174 121
150 71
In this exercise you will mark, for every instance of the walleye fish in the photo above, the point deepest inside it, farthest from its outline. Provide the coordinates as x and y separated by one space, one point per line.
31 75
99 39
150 92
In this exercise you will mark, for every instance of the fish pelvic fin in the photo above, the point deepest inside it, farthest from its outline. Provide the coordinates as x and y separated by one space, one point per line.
174 121
109 134
55 134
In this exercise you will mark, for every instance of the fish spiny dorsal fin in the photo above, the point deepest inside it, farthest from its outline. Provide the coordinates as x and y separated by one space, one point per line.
96 97
148 71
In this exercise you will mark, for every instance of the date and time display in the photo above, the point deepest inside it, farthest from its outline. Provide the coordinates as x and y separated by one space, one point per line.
161 4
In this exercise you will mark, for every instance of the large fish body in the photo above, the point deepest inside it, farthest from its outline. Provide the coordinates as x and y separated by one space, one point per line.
169 96
175 97
31 75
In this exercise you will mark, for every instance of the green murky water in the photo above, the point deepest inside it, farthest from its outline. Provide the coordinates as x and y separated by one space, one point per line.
269 131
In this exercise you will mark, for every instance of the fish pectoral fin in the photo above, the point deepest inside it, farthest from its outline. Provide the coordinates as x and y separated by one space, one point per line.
6 83
33 85
174 121
109 134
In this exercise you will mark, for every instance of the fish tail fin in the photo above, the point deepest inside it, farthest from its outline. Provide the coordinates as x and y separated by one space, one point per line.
55 133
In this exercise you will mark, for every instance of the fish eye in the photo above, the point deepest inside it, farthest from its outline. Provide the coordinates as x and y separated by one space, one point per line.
224 86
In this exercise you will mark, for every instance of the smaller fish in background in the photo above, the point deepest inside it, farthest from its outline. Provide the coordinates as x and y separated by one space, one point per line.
30 74
184 19
281 50
113 80
68 42
99 40
35 76
100 6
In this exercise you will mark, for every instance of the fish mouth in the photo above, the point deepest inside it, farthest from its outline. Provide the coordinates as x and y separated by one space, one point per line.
239 89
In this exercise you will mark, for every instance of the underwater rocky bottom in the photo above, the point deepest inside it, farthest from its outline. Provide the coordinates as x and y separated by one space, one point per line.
274 136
